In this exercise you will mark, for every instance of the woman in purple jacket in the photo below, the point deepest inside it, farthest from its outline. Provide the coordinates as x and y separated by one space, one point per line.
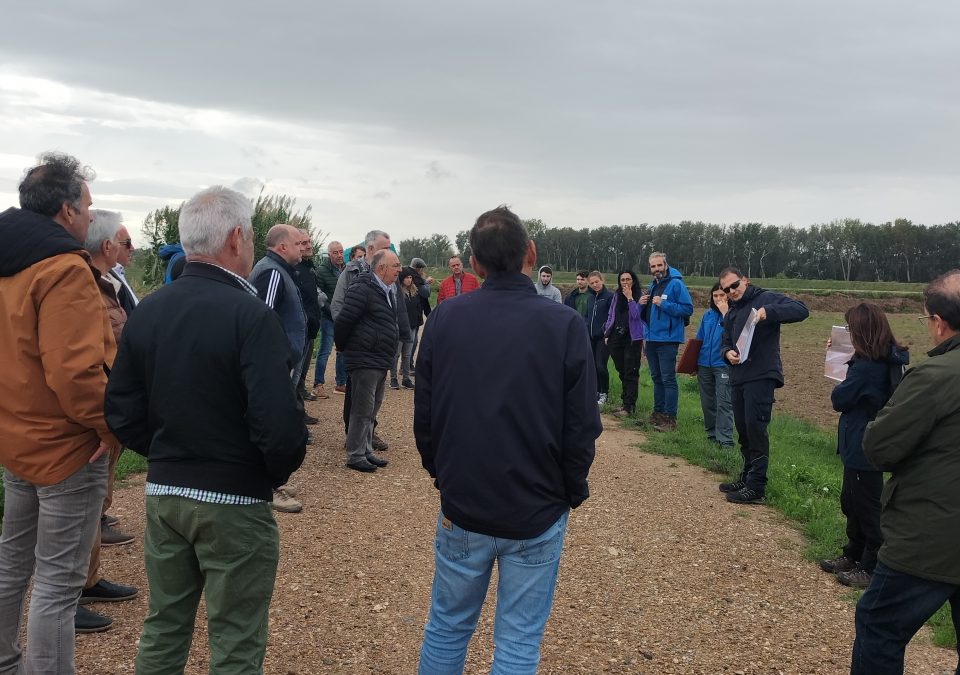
624 335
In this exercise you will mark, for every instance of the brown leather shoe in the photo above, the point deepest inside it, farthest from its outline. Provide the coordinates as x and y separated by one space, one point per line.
319 391
340 389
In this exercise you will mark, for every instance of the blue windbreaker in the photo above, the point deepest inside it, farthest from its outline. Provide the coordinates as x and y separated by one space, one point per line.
665 322
709 332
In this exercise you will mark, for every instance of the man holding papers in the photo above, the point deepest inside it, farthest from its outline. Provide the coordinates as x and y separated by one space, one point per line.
751 345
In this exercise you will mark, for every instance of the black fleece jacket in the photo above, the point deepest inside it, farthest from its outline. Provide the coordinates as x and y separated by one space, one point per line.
201 388
764 359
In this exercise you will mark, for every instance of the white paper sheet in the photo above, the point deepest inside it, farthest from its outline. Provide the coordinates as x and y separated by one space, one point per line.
746 336
841 351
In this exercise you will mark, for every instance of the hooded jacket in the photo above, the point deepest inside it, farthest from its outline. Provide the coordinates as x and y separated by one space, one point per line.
548 291
666 321
56 346
915 438
175 257
709 333
866 389
764 358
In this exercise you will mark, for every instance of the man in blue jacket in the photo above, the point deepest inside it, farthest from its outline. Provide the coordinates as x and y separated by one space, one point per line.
754 379
666 312
510 453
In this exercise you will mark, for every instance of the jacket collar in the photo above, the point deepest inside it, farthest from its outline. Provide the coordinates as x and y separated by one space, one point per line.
205 270
280 261
511 281
948 345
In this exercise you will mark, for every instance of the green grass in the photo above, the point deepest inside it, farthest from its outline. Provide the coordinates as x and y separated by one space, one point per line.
804 473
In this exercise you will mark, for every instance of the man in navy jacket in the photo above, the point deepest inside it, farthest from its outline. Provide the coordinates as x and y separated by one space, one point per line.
505 419
753 379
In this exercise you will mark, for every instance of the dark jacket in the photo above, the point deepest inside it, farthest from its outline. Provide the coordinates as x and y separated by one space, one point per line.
665 322
573 299
866 389
327 276
424 289
365 329
764 359
201 387
505 408
414 306
275 281
598 307
915 438
307 281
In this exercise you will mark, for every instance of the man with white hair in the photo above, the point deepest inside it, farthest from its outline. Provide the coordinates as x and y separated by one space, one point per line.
128 299
56 347
102 246
201 387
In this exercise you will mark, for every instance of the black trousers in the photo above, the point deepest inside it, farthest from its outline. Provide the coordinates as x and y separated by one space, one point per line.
307 358
601 355
752 406
626 359
860 503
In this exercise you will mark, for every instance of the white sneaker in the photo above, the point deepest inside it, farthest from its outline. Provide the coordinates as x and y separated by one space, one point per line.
601 399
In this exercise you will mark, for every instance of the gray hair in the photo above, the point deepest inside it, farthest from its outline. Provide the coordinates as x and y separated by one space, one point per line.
103 226
208 218
658 254
372 237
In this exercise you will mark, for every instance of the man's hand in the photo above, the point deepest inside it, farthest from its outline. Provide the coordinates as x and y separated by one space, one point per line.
429 280
644 299
101 449
732 357
657 300
761 314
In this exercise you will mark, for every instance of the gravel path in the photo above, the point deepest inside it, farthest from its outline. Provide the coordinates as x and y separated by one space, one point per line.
659 575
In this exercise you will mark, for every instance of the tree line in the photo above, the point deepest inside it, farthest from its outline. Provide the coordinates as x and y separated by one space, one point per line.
846 249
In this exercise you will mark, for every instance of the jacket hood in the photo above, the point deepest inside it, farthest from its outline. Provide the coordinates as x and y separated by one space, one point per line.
548 270
26 238
899 356
167 251
748 295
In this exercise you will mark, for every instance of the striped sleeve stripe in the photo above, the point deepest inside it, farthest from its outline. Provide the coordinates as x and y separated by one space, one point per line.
272 285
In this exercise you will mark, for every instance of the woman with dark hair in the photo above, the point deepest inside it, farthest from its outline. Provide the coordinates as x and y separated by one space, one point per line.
357 251
713 373
623 332
872 375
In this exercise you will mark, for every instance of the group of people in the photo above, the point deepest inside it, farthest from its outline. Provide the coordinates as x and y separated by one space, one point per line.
206 378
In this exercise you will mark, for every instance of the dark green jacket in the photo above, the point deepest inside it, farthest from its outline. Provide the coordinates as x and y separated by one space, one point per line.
917 437
327 276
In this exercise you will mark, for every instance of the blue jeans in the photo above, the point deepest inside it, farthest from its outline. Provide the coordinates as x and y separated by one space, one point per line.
527 577
48 532
326 346
890 612
662 361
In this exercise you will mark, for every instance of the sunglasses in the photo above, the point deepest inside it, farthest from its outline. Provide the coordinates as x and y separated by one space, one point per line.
734 285
126 243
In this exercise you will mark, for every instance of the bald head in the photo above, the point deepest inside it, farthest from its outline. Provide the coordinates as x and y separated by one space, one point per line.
284 240
941 298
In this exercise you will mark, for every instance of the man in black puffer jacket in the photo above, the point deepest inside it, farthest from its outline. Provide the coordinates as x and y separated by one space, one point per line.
365 330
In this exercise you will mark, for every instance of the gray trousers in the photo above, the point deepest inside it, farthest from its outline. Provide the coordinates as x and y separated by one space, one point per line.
48 532
716 403
403 353
366 386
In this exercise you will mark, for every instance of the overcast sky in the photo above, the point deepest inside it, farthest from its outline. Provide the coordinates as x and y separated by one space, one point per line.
416 116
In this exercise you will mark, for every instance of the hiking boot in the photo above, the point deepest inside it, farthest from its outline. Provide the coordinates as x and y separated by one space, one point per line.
377 462
289 489
104 591
622 412
283 502
601 399
735 486
107 519
111 536
378 443
87 621
319 392
856 578
340 389
394 384
745 496
666 423
407 384
837 565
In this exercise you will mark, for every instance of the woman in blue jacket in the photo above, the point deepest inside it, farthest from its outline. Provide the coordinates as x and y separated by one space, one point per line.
623 332
872 375
713 374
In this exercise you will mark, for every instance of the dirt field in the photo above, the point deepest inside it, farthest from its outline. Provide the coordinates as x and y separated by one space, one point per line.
659 574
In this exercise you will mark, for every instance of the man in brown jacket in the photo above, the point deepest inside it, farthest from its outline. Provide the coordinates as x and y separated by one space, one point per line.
56 347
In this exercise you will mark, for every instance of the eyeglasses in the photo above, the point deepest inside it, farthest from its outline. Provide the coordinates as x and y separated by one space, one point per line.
126 243
734 285
925 317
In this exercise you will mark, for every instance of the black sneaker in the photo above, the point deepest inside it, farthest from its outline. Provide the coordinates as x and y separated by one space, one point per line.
394 384
376 461
855 578
362 465
745 496
735 486
104 591
309 419
378 443
837 565
87 621
111 536
407 384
